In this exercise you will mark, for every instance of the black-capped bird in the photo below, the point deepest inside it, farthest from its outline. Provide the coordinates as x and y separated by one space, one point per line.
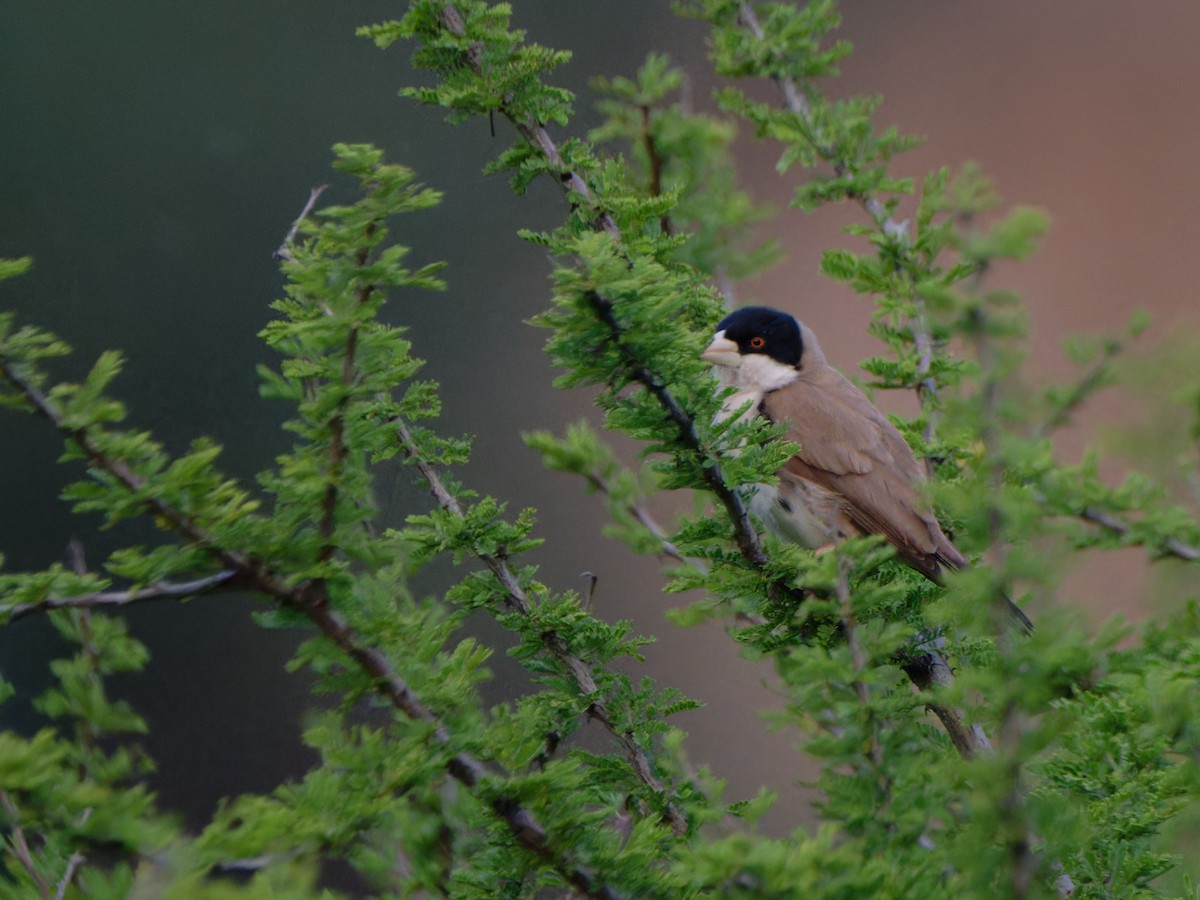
854 473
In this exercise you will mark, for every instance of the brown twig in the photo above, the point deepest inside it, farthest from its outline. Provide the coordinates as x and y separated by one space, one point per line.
163 590
254 573
646 520
518 600
1087 384
1169 547
529 128
337 421
928 670
655 161
284 251
464 767
21 846
73 863
643 517
310 598
745 535
798 104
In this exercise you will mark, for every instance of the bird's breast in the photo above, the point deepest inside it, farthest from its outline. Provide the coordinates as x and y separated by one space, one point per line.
798 511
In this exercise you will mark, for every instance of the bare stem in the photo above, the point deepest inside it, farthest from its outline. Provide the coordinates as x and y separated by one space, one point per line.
284 251
165 590
928 670
73 864
656 166
21 846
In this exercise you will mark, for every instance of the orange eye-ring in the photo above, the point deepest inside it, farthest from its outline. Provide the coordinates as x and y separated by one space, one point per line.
758 342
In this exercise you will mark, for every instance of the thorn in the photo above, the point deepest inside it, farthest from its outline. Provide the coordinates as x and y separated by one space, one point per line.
591 590
75 556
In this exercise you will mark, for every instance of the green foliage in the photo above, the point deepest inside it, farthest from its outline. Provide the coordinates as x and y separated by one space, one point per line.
957 758
685 157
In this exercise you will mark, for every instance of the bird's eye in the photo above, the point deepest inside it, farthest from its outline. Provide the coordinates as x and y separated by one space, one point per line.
758 342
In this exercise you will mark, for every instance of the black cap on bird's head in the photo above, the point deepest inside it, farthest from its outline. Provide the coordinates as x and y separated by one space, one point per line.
757 329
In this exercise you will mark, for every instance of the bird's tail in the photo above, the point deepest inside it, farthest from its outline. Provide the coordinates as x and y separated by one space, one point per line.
1018 615
949 557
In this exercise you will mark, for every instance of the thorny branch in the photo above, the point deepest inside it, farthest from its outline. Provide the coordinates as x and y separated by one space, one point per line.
337 422
21 846
464 767
284 251
932 670
668 548
798 104
529 128
255 573
647 521
927 387
966 739
311 599
745 535
1169 547
73 863
1081 390
164 590
519 600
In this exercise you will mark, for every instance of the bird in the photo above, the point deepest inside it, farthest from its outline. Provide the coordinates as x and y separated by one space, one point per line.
854 473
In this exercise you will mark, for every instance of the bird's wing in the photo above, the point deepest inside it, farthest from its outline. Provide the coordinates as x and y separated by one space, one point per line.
847 446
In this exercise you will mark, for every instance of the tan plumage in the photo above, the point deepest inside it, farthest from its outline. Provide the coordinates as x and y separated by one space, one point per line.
854 473
849 448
